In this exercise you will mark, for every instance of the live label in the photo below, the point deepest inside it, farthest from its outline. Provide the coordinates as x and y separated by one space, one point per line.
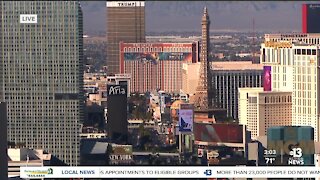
28 18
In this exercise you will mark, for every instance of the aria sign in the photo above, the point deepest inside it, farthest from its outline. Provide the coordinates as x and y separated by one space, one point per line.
114 90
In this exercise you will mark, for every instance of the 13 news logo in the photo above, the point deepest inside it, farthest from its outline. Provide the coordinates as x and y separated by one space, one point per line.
208 172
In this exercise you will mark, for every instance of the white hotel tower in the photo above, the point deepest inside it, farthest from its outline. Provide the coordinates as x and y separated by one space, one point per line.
294 61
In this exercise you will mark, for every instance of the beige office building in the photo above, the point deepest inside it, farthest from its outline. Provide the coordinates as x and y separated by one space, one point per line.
295 67
190 77
260 110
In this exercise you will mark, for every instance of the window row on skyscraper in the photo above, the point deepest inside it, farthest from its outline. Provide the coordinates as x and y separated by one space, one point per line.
305 52
159 49
277 99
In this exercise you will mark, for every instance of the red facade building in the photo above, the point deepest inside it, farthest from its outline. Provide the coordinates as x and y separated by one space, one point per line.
310 18
156 65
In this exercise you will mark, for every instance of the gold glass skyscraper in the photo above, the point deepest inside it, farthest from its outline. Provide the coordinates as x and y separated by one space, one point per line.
42 76
125 22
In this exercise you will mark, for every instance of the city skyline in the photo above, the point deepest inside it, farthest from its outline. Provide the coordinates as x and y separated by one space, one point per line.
212 84
182 16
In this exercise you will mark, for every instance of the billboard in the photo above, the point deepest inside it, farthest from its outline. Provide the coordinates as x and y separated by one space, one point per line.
121 154
186 117
218 133
155 57
121 149
266 78
185 120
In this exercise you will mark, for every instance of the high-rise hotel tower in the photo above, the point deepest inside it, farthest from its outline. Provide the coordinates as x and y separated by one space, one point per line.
41 74
291 63
125 22
310 16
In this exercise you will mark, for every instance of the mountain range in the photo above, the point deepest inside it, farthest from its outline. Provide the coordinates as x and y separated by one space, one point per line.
181 16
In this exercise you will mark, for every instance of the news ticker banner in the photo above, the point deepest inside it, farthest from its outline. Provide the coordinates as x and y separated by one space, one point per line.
170 172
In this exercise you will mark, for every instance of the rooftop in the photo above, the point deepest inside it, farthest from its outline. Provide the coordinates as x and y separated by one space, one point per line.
236 65
293 35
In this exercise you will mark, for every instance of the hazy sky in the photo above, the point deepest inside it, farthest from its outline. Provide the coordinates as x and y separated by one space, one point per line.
271 16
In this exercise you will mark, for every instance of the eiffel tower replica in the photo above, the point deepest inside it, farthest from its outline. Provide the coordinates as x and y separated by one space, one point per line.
202 99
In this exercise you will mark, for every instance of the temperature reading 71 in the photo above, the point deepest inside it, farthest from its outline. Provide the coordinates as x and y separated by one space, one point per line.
269 160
